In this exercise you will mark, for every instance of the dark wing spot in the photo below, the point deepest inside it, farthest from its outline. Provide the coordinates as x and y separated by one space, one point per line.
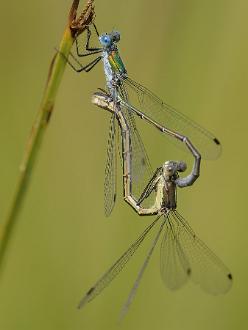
114 197
143 162
216 141
230 276
189 271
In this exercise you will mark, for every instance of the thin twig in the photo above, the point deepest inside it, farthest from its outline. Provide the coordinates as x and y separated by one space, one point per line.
74 27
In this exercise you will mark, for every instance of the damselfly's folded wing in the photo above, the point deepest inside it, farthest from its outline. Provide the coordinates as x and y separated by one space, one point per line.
184 255
110 169
151 105
141 170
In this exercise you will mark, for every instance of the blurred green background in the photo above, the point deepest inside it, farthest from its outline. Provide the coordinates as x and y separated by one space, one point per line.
194 55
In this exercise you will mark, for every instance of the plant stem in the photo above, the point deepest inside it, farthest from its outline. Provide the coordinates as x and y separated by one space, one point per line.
43 116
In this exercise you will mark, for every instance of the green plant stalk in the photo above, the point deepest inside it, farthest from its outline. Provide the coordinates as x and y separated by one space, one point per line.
38 130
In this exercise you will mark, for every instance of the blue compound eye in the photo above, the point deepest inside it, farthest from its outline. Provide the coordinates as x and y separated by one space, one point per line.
105 40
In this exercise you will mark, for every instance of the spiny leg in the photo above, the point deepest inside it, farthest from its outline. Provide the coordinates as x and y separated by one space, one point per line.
85 68
91 50
150 186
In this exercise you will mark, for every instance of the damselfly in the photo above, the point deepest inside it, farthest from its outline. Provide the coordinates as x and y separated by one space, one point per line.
183 255
136 99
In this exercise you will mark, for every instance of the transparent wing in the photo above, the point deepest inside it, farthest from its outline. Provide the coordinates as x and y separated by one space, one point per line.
151 105
141 170
140 275
194 259
110 170
174 265
114 270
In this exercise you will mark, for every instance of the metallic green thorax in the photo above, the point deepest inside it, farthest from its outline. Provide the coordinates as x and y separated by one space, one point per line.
116 62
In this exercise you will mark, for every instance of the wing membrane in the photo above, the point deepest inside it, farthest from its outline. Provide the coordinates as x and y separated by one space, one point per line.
140 274
141 170
173 263
110 170
191 258
114 270
151 105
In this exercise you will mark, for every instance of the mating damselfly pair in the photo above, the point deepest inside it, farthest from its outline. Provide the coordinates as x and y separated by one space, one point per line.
183 255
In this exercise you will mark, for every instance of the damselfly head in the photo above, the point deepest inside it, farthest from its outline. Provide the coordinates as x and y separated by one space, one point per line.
107 39
169 168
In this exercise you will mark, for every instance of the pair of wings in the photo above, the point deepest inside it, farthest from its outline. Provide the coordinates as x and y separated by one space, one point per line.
152 106
183 256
